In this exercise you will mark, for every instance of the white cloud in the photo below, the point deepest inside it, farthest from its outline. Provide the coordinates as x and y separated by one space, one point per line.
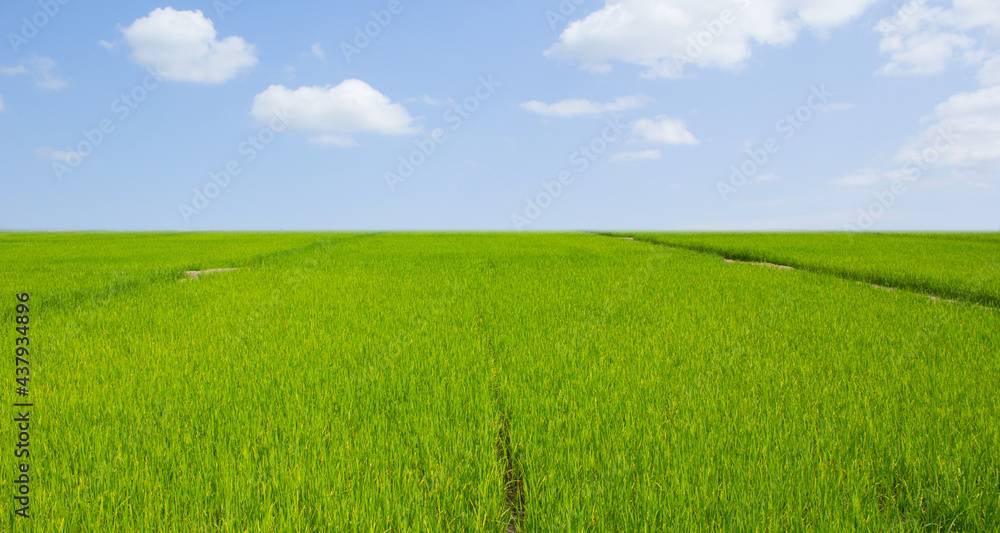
989 74
426 100
106 45
43 71
921 39
870 176
317 50
975 13
860 178
766 177
664 130
965 133
334 113
963 136
636 156
580 107
61 156
345 141
665 36
2 107
183 46
923 53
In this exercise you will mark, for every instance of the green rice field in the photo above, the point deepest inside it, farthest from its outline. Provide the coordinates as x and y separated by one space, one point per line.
959 266
505 382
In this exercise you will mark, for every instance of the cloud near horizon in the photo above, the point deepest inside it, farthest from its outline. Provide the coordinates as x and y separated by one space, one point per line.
963 135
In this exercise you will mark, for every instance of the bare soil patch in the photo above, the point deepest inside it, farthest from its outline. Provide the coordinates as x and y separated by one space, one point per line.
193 274
771 265
930 297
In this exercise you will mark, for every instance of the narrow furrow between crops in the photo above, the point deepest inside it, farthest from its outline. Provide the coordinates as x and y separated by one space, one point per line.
507 457
738 259
513 477
321 244
90 300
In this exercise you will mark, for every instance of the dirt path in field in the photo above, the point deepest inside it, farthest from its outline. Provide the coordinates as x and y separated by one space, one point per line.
872 285
193 274
930 297
772 265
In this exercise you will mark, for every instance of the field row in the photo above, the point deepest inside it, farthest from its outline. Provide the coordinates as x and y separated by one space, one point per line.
960 266
64 269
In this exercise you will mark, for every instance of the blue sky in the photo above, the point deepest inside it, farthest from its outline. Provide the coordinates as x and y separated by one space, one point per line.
542 115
